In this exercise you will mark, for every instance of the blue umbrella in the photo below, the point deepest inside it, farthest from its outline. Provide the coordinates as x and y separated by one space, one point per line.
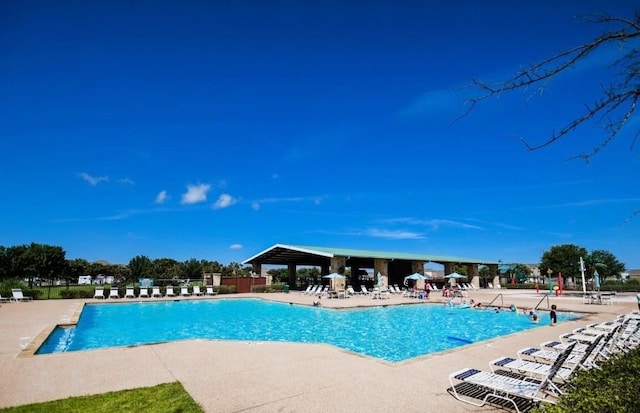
596 280
416 276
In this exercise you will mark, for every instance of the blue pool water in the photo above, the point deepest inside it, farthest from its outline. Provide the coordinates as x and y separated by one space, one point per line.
392 333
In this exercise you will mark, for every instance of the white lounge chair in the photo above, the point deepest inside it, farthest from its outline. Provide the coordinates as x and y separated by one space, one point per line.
144 292
476 387
155 292
196 290
18 296
309 287
169 292
130 293
99 293
184 291
540 370
113 292
4 299
211 291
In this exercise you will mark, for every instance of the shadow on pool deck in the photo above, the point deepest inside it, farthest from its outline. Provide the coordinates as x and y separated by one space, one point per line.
225 376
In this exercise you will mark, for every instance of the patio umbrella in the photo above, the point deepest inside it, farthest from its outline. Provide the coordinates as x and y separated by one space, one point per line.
334 276
379 284
416 276
454 276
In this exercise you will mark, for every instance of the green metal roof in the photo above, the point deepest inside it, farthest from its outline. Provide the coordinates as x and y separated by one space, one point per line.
282 253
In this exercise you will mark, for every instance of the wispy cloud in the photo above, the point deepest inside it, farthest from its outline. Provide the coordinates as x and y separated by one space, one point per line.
162 197
236 246
317 200
224 201
127 181
434 224
583 203
195 194
390 234
93 180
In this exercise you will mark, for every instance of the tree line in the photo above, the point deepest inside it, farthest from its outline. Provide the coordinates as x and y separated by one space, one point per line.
42 263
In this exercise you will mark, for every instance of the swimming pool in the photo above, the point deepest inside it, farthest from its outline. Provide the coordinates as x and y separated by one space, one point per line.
391 333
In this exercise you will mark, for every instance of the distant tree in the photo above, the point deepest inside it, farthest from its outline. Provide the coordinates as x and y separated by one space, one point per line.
166 268
617 102
211 266
521 272
563 259
121 273
460 269
606 263
192 269
140 267
4 263
76 268
278 274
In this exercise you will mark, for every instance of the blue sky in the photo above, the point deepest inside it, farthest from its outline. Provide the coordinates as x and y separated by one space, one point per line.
213 130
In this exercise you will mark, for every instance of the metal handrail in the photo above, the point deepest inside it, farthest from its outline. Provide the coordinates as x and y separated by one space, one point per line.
540 302
496 297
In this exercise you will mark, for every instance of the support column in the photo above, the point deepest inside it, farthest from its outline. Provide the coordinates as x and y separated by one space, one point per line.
337 265
291 275
381 266
418 266
493 271
474 275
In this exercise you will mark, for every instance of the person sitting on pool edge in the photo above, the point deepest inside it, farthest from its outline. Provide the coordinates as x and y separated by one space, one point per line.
316 303
552 314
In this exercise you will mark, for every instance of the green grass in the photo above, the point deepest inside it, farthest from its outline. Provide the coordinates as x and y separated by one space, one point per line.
163 398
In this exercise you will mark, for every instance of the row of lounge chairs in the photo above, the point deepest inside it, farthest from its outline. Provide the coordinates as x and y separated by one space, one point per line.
539 374
155 292
16 295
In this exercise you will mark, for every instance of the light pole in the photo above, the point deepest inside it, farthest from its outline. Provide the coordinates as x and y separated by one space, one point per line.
549 272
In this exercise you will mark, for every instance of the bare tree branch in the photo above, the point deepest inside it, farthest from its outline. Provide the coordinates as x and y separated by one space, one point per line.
617 102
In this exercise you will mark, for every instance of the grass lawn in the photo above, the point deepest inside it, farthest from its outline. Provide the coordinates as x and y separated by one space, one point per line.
164 398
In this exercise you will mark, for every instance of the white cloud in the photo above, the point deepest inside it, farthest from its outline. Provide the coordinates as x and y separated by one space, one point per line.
255 206
93 180
195 194
127 181
224 201
381 233
236 246
162 197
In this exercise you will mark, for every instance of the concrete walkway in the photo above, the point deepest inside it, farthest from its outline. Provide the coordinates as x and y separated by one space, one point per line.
227 376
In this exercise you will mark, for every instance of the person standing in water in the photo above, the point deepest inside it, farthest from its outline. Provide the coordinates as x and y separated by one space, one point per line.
552 314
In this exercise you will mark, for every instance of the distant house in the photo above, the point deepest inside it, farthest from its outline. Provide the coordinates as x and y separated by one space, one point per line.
632 275
84 280
104 279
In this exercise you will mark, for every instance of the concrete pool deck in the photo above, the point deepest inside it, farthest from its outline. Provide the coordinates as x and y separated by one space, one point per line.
227 376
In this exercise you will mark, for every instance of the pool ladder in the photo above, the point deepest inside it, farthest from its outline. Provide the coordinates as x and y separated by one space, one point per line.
541 300
496 297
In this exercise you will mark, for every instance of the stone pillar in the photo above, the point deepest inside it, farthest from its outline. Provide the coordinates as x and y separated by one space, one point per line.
418 266
381 266
337 265
448 269
493 271
474 275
